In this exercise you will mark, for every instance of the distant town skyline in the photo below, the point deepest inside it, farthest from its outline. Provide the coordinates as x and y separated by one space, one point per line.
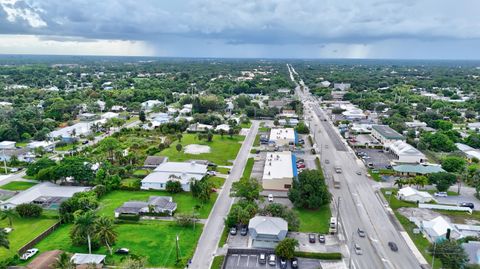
386 29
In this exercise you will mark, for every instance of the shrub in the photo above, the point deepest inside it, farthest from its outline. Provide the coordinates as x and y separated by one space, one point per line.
130 217
321 256
29 210
173 186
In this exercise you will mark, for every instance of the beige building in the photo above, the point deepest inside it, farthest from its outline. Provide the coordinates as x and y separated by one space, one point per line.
279 171
283 136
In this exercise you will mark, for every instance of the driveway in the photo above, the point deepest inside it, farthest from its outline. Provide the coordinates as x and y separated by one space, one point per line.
331 243
246 261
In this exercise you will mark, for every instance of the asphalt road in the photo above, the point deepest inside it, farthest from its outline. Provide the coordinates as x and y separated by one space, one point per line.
207 245
360 207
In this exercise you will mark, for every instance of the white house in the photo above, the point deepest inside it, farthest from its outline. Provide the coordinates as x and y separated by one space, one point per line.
415 124
7 145
406 153
469 151
184 172
266 232
46 145
47 194
109 115
150 104
436 229
199 127
224 127
412 195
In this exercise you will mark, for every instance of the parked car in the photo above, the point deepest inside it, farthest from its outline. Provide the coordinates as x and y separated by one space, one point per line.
300 160
243 231
361 232
28 254
300 165
467 204
211 173
294 263
327 161
370 165
85 142
389 166
312 151
393 246
270 197
14 170
321 238
272 260
262 258
441 194
283 263
358 249
122 251
311 238
359 173
233 231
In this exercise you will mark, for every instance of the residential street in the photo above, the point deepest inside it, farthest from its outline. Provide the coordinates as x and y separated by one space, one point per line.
212 230
360 206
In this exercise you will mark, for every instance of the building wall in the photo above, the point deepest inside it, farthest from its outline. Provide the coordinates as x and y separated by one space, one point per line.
160 186
277 184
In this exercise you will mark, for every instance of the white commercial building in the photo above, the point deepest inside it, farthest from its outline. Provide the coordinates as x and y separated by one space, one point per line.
386 135
436 229
279 172
412 195
406 153
184 172
416 124
283 136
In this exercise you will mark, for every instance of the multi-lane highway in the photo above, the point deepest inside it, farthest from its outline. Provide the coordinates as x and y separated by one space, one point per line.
360 205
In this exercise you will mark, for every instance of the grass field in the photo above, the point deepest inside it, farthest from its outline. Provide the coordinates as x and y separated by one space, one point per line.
222 150
17 185
394 202
256 142
141 172
152 239
247 172
223 170
24 230
315 221
217 181
217 262
185 201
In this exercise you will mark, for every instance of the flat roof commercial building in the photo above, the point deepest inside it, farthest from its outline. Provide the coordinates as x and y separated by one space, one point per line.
386 135
406 153
279 171
283 136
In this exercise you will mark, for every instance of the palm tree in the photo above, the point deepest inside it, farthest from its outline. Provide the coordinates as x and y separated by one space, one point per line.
83 227
3 239
9 214
104 232
63 261
421 181
399 182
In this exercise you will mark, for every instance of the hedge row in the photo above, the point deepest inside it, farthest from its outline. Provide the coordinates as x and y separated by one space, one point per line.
320 256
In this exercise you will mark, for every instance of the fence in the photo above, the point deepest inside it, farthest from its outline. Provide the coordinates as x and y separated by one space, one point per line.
37 239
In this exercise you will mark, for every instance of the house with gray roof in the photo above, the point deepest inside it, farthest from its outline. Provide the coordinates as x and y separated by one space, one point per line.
266 232
155 205
472 249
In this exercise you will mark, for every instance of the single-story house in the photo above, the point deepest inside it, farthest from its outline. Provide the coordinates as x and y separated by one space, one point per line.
417 169
46 194
469 152
184 172
118 108
199 127
109 115
81 258
266 232
436 229
150 104
154 161
7 145
88 116
412 195
473 251
46 145
224 127
155 204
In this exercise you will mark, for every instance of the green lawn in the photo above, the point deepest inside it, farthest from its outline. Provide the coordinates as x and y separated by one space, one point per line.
152 239
256 142
24 230
223 238
246 125
185 201
223 170
316 221
222 150
141 172
217 262
247 172
449 193
67 147
217 181
17 185
394 202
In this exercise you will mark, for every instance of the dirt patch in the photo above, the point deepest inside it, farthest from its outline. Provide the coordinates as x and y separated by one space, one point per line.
196 149
420 213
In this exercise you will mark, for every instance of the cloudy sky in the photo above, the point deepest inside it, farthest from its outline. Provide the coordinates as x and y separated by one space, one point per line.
405 29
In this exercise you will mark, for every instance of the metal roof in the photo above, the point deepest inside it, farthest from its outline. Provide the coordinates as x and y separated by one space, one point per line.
387 132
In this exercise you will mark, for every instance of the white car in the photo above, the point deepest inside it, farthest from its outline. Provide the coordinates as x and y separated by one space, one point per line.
270 197
29 253
441 194
358 249
211 173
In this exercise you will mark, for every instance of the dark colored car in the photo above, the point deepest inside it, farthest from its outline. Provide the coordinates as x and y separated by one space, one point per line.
311 238
262 258
124 251
85 142
243 231
313 151
393 246
467 204
361 232
283 263
233 231
321 238
294 263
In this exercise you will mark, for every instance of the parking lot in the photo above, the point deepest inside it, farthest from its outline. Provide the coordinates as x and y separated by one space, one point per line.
244 261
377 157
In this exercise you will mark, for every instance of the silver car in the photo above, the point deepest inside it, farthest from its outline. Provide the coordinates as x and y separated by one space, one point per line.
358 249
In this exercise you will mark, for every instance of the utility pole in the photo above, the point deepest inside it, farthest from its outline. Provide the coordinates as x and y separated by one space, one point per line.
176 248
338 213
433 254
5 162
